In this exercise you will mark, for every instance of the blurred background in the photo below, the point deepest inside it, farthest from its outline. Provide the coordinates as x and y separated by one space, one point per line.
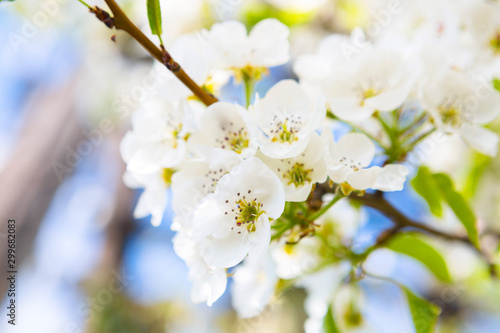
84 264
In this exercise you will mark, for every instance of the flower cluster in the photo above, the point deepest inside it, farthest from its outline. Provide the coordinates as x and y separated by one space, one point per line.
242 178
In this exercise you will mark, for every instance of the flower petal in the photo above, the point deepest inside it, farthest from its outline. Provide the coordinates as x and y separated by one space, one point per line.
363 179
356 148
481 139
269 43
225 252
391 178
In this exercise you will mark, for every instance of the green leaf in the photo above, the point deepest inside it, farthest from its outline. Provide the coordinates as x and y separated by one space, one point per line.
496 84
415 247
479 165
329 322
423 312
254 12
459 205
477 169
154 17
425 185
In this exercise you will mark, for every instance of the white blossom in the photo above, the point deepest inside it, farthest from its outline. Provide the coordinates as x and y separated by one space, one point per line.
153 200
380 80
348 160
198 178
209 283
461 105
223 126
482 23
298 174
320 287
234 220
266 45
158 136
294 260
285 119
356 77
254 284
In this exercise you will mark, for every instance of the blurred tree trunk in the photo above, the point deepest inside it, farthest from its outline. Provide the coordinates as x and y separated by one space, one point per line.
28 180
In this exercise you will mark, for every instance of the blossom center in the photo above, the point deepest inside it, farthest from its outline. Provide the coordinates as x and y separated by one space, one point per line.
284 132
172 133
495 42
369 93
354 165
167 174
246 212
249 213
297 174
236 140
452 113
451 116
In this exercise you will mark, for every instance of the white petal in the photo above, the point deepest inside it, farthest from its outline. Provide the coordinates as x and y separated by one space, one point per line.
152 201
254 285
269 43
172 157
147 124
209 218
339 173
311 67
147 158
218 284
229 42
263 183
128 146
391 178
225 252
357 149
131 181
488 108
297 194
217 122
286 96
390 100
283 150
259 240
363 179
481 139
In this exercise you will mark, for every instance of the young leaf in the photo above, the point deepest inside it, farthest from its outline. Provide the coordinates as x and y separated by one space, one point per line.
415 247
423 313
329 322
154 17
425 185
479 165
459 206
496 84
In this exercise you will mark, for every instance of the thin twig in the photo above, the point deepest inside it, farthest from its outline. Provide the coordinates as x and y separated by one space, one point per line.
121 21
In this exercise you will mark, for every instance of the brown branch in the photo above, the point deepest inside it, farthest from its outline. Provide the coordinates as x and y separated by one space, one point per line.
120 21
378 202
